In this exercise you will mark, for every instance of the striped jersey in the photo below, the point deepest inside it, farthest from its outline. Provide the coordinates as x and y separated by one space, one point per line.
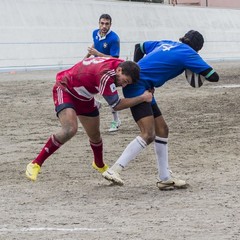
91 76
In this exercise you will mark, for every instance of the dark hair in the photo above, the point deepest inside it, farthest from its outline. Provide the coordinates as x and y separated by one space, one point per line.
131 69
106 16
194 39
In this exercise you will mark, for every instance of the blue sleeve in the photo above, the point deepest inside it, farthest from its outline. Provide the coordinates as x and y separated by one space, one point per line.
115 48
195 63
94 33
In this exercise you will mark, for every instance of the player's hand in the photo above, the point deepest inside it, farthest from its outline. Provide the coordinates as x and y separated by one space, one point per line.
147 96
152 90
92 51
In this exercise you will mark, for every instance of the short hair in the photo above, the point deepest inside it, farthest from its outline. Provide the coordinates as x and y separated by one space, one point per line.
194 39
105 16
131 69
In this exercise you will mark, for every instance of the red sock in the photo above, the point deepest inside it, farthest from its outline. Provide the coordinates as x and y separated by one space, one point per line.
98 153
50 147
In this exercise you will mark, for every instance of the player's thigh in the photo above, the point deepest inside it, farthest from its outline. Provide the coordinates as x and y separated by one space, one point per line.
143 115
68 119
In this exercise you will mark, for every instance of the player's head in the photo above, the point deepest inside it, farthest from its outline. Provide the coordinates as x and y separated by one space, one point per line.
106 16
105 22
194 39
127 73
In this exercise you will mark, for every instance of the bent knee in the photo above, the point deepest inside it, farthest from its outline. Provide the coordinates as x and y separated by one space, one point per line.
70 131
149 137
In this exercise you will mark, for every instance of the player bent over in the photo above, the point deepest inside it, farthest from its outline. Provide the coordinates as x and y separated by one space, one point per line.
73 95
162 61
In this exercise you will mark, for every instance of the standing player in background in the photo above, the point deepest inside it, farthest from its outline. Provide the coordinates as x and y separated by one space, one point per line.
73 95
159 61
106 43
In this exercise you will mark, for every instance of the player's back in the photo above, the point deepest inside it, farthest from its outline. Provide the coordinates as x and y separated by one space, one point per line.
164 61
90 73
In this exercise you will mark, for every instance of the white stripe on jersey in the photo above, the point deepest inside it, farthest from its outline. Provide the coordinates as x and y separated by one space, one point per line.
104 79
59 95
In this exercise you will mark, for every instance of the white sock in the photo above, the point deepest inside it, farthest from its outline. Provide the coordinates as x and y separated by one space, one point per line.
130 152
115 115
161 150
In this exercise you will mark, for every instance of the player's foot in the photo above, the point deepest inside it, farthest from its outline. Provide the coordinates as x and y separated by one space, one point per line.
101 170
171 184
114 126
113 177
32 171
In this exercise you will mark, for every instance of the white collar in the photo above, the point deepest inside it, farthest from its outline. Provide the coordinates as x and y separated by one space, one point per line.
101 38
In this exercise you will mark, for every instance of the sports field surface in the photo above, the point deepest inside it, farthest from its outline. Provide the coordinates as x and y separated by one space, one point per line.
70 200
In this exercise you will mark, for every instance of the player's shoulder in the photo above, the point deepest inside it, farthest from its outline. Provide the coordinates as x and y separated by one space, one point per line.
95 32
113 34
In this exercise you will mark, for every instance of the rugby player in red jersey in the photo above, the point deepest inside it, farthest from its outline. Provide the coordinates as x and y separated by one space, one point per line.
73 95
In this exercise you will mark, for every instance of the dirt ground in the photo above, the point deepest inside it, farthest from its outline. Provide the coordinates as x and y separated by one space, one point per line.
72 201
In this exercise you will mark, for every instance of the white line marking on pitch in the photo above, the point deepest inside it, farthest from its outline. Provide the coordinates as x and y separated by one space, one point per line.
49 229
227 86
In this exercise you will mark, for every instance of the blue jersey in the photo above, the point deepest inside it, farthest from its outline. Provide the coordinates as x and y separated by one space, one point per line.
164 60
109 44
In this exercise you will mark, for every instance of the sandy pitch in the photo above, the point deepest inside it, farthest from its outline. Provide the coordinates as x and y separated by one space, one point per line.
72 201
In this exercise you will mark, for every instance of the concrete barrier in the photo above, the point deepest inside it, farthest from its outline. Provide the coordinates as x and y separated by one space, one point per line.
56 33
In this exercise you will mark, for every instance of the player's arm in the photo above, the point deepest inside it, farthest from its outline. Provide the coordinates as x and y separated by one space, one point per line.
115 48
210 75
89 53
123 103
138 52
130 102
96 53
144 48
196 64
92 51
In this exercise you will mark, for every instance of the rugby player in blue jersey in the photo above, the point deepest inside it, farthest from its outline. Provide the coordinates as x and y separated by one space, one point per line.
106 43
159 61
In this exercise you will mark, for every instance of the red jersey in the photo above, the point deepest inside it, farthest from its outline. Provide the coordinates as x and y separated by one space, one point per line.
91 76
